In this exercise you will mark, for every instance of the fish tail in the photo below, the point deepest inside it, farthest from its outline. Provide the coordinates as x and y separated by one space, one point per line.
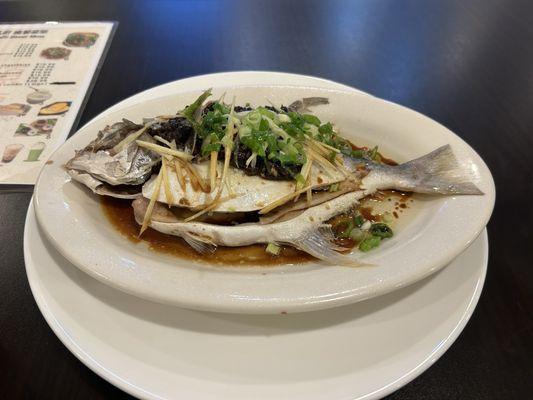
319 243
441 173
437 172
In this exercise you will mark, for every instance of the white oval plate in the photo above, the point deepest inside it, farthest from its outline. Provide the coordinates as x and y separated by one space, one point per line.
442 228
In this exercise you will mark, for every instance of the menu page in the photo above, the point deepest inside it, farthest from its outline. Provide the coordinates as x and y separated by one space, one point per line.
46 70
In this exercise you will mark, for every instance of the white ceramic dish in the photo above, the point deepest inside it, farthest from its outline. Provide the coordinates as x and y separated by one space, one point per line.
361 351
443 227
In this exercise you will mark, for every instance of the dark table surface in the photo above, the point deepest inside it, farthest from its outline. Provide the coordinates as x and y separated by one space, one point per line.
466 64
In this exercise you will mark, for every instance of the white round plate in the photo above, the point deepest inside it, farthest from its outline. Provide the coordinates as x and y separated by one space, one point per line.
153 351
442 228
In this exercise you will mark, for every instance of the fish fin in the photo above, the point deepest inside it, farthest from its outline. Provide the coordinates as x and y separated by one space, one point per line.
200 244
303 104
104 191
441 173
100 188
437 172
319 243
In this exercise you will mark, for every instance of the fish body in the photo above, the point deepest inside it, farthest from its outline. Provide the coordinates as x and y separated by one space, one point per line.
308 231
435 173
243 193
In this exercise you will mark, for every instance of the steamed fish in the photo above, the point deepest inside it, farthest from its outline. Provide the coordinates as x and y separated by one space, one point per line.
434 173
217 174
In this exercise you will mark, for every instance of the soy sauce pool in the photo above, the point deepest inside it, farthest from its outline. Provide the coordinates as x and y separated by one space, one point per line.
120 214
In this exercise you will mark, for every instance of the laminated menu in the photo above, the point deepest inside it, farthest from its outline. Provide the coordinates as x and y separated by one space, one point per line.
46 71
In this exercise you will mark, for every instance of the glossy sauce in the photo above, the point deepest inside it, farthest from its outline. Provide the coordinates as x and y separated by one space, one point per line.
380 207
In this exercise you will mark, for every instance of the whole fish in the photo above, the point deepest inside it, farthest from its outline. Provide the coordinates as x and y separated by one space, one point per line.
437 173
305 157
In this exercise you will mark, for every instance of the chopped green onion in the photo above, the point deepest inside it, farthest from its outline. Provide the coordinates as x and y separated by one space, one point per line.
334 187
263 125
373 153
326 128
357 234
357 153
312 130
300 181
381 230
284 118
369 243
348 230
358 220
244 130
273 249
221 108
266 112
191 108
208 148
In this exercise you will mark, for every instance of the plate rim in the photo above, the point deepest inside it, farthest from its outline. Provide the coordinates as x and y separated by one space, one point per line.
274 304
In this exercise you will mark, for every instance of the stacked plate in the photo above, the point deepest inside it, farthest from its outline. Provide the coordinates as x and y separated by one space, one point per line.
175 329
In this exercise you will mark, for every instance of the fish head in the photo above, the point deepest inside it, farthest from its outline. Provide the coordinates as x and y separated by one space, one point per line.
131 165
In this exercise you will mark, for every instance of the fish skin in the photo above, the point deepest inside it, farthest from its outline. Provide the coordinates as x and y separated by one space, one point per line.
131 166
291 207
252 192
307 232
111 135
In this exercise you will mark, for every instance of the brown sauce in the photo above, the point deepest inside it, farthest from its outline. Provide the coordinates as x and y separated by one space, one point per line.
400 200
120 214
366 212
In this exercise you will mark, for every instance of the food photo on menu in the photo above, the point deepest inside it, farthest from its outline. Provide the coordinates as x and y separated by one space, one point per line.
265 200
